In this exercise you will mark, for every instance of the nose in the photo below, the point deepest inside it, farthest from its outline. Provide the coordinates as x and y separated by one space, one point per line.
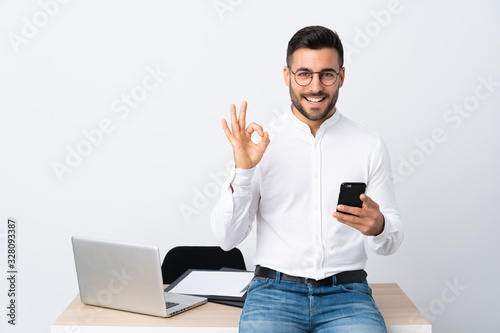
316 84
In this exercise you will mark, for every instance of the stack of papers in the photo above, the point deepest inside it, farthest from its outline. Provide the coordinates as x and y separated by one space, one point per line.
227 287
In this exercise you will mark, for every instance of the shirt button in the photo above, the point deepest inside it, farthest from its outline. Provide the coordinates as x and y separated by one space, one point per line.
316 175
316 207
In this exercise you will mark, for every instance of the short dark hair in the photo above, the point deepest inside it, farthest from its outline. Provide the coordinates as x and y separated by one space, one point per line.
315 38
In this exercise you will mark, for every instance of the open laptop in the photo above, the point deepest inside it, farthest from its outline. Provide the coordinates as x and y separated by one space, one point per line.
126 277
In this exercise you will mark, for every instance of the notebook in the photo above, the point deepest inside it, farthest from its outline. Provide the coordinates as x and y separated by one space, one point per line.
127 277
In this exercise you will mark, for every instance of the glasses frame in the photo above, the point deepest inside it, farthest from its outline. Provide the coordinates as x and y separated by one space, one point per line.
312 75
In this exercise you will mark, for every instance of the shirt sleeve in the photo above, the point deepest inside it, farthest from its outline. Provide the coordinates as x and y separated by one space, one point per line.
234 213
381 189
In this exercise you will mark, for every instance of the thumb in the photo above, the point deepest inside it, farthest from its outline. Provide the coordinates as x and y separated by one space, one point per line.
367 201
264 141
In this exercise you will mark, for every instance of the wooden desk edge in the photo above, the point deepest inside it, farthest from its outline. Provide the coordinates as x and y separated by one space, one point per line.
396 308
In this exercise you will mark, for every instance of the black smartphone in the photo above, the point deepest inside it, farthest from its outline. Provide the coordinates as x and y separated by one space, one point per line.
349 195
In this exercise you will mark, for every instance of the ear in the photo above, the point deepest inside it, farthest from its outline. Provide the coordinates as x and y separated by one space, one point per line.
341 77
286 75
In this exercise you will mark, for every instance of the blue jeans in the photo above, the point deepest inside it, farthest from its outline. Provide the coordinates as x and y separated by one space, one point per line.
278 306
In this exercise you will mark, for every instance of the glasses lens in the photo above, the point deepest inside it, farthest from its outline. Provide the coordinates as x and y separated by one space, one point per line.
328 77
303 78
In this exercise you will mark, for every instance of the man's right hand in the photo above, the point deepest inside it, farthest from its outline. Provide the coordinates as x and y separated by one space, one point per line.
247 153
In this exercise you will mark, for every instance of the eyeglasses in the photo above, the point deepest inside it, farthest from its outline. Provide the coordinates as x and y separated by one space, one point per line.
304 77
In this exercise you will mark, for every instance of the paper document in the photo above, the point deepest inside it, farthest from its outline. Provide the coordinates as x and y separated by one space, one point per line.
217 283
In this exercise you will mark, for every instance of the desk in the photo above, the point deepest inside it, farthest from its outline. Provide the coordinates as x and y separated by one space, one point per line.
400 315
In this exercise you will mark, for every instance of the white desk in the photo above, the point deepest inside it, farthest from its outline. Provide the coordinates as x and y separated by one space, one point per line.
400 314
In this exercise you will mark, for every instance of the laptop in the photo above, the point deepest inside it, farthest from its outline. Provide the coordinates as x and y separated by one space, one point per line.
127 277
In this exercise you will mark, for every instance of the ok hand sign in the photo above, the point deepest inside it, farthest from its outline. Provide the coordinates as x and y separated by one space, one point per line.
247 153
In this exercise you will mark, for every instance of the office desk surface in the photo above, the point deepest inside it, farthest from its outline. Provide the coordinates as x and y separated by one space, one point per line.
400 315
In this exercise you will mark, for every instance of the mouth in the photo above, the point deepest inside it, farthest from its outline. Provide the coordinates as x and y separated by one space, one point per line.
315 100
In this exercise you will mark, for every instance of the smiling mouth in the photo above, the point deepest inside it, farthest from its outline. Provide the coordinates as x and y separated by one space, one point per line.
315 99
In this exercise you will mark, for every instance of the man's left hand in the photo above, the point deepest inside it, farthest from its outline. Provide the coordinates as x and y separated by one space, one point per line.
368 220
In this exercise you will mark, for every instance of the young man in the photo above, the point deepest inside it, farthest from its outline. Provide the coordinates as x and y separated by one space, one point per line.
310 259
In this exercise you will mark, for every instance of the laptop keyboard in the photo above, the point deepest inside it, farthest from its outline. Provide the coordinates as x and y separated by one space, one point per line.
170 304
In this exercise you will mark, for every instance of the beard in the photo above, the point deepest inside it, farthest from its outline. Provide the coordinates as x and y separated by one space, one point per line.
314 117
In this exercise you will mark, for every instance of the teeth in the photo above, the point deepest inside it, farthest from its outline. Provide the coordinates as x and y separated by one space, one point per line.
315 100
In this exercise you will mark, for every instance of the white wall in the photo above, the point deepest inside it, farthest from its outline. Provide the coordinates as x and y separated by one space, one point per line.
407 74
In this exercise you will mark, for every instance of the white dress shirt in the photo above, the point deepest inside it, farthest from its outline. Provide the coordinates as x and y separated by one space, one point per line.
293 191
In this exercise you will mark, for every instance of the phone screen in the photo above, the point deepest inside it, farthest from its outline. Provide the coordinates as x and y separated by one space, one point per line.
349 195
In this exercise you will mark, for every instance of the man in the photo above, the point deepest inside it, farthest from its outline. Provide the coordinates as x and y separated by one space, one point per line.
310 259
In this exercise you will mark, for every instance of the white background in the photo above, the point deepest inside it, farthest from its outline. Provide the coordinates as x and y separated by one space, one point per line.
153 178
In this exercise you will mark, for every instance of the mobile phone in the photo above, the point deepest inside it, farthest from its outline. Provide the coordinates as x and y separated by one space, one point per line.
349 195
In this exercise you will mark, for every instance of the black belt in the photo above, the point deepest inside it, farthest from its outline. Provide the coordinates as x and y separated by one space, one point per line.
344 277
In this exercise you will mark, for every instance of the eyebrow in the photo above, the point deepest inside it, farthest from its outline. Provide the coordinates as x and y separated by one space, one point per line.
323 70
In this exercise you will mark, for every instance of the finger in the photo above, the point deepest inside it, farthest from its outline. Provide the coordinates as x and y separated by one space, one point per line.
227 131
358 226
243 114
349 209
347 219
255 127
234 120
